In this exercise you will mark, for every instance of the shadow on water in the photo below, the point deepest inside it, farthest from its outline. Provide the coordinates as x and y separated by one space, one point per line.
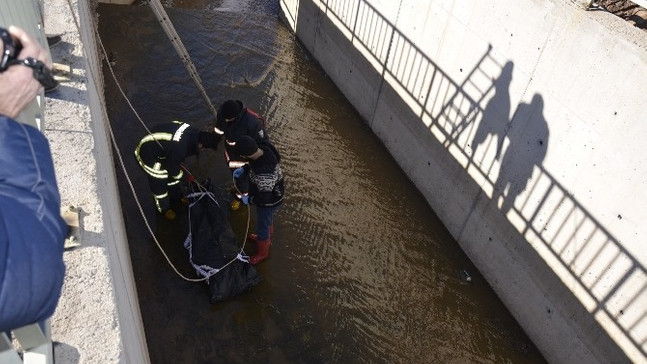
361 269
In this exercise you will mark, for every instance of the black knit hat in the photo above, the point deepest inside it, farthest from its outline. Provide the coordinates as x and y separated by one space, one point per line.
231 108
208 140
246 146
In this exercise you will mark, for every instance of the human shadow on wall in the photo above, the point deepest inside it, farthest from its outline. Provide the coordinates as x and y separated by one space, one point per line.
496 113
528 138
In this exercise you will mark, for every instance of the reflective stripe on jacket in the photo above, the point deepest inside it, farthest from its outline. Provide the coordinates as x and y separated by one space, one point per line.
161 152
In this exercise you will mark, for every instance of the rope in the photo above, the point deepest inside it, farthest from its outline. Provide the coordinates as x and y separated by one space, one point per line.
118 152
141 211
123 167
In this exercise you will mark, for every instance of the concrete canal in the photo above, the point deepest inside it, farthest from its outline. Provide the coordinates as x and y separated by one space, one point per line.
361 269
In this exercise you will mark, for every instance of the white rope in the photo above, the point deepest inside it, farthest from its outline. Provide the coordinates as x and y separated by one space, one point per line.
122 164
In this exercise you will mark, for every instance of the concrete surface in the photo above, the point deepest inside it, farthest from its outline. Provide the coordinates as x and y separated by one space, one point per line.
553 220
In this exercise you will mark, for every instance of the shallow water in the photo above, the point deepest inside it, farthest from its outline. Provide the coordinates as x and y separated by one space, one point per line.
361 269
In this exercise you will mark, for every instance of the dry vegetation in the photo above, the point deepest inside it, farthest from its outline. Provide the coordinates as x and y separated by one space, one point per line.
625 9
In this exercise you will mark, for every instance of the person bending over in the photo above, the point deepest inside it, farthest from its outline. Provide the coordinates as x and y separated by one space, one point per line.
266 189
160 154
233 120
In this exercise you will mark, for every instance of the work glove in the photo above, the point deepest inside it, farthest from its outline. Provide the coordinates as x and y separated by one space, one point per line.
245 199
239 172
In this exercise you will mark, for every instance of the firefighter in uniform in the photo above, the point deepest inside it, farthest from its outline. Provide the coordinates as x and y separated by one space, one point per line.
161 153
234 121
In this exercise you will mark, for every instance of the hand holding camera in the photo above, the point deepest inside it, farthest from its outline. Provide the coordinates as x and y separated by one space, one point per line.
24 67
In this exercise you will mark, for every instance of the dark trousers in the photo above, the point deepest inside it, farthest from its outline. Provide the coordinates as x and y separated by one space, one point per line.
264 219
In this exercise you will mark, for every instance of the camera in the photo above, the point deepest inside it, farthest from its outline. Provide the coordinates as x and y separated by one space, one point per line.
11 49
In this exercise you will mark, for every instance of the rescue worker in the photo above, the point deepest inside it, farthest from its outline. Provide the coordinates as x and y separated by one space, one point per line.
266 189
161 153
233 121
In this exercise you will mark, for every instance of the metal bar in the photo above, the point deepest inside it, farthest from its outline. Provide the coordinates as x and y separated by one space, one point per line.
172 35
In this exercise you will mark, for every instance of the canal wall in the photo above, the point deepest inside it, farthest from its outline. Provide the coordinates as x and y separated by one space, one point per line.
133 346
522 125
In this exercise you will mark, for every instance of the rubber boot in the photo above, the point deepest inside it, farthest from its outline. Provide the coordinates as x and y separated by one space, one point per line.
254 238
262 251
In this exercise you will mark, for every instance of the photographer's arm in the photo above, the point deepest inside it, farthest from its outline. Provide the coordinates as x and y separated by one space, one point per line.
18 87
32 231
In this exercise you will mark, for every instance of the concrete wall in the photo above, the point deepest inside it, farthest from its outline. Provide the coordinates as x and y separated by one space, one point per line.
522 123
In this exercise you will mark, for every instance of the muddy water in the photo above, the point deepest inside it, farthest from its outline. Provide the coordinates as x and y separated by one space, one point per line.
361 269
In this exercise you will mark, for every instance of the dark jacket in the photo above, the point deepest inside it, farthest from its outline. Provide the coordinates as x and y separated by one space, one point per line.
169 144
32 231
247 123
266 184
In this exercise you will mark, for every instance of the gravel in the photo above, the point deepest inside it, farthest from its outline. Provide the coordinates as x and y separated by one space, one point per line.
85 328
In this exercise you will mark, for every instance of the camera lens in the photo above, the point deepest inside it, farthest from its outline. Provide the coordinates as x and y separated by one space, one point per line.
10 50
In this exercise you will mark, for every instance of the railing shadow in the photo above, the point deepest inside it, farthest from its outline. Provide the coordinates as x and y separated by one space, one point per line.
607 279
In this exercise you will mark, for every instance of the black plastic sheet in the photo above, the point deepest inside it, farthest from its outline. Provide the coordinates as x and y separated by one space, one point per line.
214 251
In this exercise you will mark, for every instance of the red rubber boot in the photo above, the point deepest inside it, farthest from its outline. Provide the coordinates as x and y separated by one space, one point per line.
262 251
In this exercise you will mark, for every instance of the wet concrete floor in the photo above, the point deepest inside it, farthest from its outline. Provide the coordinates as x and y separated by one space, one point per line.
361 269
